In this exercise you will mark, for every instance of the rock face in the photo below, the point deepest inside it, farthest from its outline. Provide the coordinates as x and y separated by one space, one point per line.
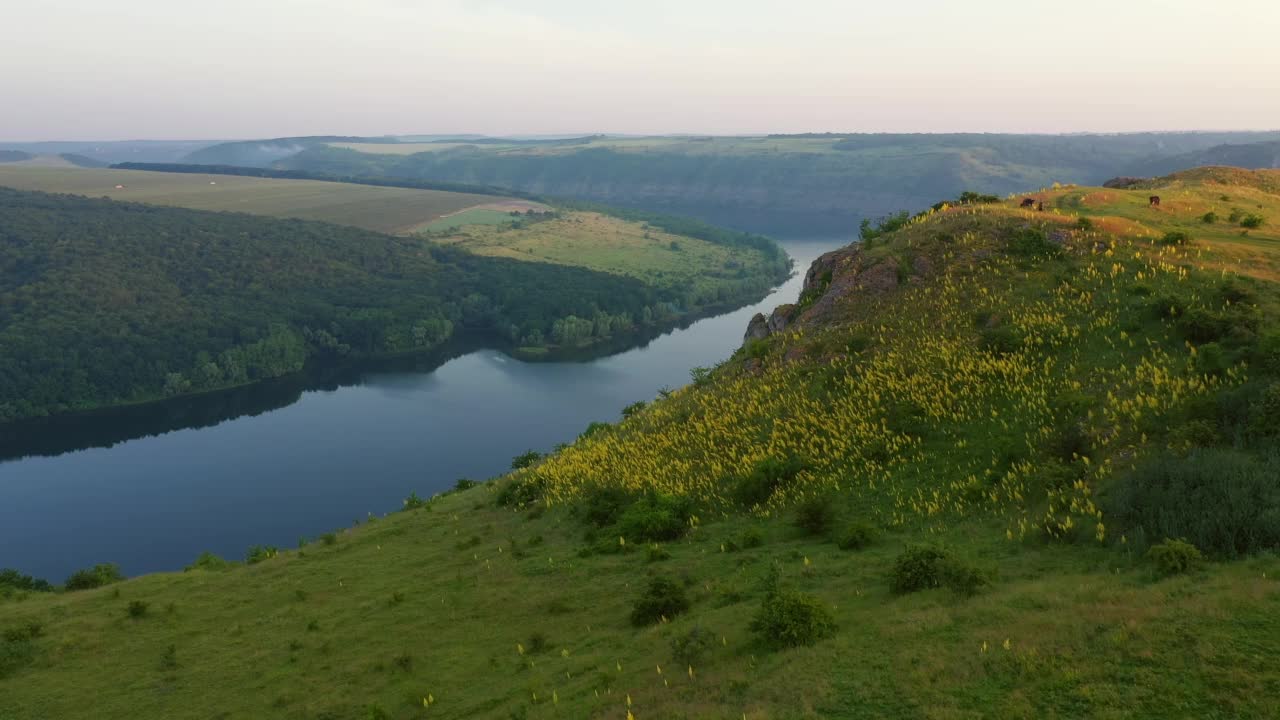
757 328
835 279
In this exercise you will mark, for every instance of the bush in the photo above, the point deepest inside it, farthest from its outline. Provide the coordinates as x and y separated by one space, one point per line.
138 609
747 540
1000 340
1252 221
11 579
258 553
207 561
1224 502
538 643
923 567
856 536
520 492
815 515
413 502
656 517
1032 242
464 484
95 577
788 619
602 506
689 648
525 459
17 647
657 553
767 477
662 598
1174 237
1209 218
329 538
1084 223
1173 557
633 409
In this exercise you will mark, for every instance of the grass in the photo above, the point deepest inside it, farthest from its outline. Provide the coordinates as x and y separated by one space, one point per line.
383 209
600 242
981 410
472 216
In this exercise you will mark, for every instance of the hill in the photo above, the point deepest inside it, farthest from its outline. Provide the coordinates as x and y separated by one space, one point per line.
1252 156
105 303
940 484
8 156
788 184
382 209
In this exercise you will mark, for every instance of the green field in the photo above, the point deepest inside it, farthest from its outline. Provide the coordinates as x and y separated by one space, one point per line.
384 209
944 490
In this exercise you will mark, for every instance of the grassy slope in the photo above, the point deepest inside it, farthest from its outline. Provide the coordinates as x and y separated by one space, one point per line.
893 399
383 209
606 244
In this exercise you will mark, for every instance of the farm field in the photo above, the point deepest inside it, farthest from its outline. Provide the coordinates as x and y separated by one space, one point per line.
596 242
383 209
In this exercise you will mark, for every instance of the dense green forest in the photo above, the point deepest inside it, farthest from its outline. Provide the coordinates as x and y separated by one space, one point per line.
103 302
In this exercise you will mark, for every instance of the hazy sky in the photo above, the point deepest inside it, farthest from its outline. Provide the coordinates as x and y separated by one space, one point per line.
102 69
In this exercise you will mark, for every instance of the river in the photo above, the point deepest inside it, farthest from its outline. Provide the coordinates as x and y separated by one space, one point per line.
152 487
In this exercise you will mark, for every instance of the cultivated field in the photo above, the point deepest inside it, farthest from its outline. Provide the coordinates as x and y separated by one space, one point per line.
384 209
598 242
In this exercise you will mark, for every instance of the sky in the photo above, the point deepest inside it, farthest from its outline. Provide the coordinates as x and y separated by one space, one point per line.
219 69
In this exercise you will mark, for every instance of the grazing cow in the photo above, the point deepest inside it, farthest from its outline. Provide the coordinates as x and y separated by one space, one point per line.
1028 202
1154 201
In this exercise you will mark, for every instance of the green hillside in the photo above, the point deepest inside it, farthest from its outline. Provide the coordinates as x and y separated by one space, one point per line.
994 462
105 303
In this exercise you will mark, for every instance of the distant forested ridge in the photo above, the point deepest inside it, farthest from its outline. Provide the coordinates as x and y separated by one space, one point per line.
104 302
792 184
14 156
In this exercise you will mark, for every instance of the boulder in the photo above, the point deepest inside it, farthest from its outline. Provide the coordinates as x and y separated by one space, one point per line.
757 328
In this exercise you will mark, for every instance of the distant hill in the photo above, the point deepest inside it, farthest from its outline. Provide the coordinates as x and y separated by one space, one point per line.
1252 156
7 156
262 153
779 184
83 161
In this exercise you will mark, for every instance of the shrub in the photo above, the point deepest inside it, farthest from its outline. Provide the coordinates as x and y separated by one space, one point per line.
1209 218
538 643
464 484
525 459
97 576
413 502
788 619
603 505
816 514
520 492
1032 242
258 553
923 567
662 598
1084 223
856 536
207 561
767 477
1251 221
633 408
138 609
656 517
1224 502
657 553
17 647
747 540
1000 340
1173 557
11 579
1235 216
329 538
689 648
1174 237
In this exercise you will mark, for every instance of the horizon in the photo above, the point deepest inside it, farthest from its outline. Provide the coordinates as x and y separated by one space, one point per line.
244 70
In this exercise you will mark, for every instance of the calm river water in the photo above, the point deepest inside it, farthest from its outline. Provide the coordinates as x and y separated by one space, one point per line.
151 488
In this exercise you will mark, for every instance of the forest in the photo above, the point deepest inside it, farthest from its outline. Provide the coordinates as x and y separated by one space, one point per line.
105 303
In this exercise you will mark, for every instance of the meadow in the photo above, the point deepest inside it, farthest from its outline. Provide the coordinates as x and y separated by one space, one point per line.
952 486
382 209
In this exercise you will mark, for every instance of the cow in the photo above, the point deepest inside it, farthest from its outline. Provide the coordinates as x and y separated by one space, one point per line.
1154 201
1028 202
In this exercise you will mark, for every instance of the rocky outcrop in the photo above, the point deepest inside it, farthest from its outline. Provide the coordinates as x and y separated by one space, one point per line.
757 328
